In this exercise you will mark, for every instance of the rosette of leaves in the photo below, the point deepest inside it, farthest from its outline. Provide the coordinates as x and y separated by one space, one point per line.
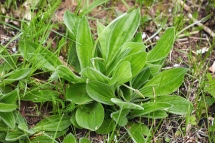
114 79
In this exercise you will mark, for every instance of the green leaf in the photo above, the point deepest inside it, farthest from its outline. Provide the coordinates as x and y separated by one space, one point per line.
44 138
14 135
163 46
121 74
71 21
106 127
40 96
100 92
7 107
136 132
8 118
65 73
123 31
120 117
180 105
16 75
139 80
53 123
94 74
10 97
90 116
84 140
84 44
150 107
160 114
77 93
89 8
69 139
38 55
164 83
137 61
126 105
25 129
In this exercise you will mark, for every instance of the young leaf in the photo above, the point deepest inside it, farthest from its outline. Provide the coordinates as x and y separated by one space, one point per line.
150 107
123 31
163 46
160 114
94 74
180 105
139 80
53 123
77 93
100 92
69 139
38 55
137 61
164 83
71 21
84 44
121 74
40 95
106 127
10 97
16 75
84 140
120 117
94 4
65 73
14 135
126 105
7 107
90 116
24 128
136 131
8 118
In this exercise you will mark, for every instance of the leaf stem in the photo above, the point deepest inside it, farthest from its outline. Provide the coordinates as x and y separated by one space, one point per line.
135 90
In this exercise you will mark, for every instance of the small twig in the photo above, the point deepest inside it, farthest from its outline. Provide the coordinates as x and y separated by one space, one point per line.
206 29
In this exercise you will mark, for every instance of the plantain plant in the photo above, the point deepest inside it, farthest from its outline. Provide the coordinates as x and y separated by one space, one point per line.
117 79
110 81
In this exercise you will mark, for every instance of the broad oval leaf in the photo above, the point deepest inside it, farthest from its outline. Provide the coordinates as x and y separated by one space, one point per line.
53 123
84 44
180 105
77 93
164 83
69 139
8 118
100 92
84 140
126 105
163 46
90 116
